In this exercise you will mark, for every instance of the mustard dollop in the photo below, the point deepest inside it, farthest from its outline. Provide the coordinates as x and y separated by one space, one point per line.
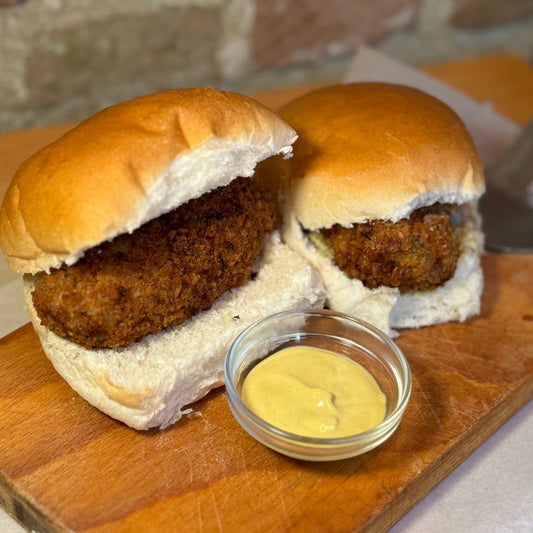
315 393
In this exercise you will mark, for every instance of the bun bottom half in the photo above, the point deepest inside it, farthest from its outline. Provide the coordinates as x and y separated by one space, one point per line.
153 382
456 300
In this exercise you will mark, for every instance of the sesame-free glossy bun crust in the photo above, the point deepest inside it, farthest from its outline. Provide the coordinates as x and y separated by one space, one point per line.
375 151
128 164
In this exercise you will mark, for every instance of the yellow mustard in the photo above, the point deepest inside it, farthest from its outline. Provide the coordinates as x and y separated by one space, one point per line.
314 392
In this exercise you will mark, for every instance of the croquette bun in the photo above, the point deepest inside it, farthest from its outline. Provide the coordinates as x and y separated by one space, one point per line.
378 151
135 160
124 166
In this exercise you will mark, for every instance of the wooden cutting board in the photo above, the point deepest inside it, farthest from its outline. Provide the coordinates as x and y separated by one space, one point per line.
64 466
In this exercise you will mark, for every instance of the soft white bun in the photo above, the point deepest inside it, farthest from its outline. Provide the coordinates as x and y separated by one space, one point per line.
371 151
456 300
120 168
151 383
377 151
128 164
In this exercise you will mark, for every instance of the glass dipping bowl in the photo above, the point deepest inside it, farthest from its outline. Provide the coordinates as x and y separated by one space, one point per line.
345 335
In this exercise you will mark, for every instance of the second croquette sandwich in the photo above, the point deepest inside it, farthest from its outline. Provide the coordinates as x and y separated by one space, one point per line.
146 246
381 196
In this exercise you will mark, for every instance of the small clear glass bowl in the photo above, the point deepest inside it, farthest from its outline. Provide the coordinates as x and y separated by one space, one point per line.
329 330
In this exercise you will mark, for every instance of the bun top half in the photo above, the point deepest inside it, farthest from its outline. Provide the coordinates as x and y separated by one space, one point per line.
128 164
374 151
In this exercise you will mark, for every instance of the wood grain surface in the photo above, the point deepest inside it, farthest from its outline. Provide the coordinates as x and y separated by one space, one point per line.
64 466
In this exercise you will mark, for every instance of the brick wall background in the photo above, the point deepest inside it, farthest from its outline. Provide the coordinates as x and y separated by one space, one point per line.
62 60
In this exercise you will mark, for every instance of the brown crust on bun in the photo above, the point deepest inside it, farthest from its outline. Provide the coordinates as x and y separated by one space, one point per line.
375 151
124 166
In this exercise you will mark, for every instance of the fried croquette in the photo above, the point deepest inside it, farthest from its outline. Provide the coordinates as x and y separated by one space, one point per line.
162 274
414 254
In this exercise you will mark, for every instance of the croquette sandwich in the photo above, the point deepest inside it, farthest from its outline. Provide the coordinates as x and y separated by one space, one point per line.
381 196
147 246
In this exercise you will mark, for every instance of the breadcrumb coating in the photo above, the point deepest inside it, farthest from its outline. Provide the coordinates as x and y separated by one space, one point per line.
162 274
414 254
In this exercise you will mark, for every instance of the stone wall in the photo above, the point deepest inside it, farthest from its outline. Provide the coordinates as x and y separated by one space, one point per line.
62 60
